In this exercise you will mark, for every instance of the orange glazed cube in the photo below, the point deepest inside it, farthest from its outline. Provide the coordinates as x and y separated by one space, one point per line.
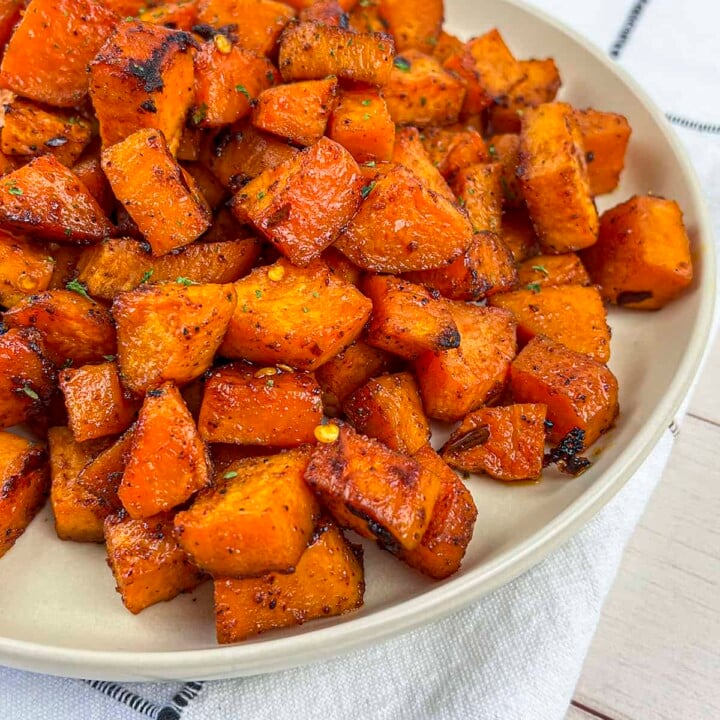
519 235
505 149
258 518
25 268
413 25
544 270
497 69
453 150
479 189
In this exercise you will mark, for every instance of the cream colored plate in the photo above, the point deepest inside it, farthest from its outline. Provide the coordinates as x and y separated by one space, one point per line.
59 612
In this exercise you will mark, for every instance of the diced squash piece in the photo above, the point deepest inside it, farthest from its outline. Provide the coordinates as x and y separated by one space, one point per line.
365 18
420 92
66 259
452 522
505 149
121 265
258 518
407 320
96 403
25 268
160 196
446 45
569 314
479 189
340 266
402 225
458 381
291 406
302 205
485 268
413 25
411 154
54 70
296 111
518 234
553 176
309 51
497 69
175 15
642 259
170 331
90 173
605 137
507 443
328 581
544 270
46 199
302 319
452 150
24 486
214 192
142 78
168 462
579 392
461 65
389 409
379 493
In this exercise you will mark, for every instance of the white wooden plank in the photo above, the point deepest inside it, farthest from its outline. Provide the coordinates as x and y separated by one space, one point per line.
656 654
705 402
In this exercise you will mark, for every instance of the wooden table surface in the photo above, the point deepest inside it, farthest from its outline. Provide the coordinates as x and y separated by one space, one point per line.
656 653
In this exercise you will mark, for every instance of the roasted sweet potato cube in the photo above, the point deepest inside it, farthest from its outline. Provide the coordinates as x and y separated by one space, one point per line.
505 149
291 406
53 71
518 234
402 226
223 455
389 409
579 392
170 331
642 259
25 268
461 65
168 461
340 266
227 83
176 15
296 111
365 18
46 199
258 518
88 170
484 269
605 137
160 196
24 486
479 189
507 443
421 92
10 11
413 25
497 69
302 319
214 192
142 78
544 270
553 176
452 150
452 522
458 381
301 205
328 580
96 402
309 51
411 154
407 320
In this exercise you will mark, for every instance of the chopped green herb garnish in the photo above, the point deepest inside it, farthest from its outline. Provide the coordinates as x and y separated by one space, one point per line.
370 164
230 474
270 75
306 309
245 308
366 116
146 276
509 193
79 288
401 63
492 150
315 294
461 202
185 281
269 383
541 269
30 392
367 189
199 114
242 89
258 294
68 232
535 287
261 195
14 190
365 103
109 358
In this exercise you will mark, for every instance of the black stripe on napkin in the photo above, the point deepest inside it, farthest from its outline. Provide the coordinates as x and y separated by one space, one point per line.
688 124
626 30
172 711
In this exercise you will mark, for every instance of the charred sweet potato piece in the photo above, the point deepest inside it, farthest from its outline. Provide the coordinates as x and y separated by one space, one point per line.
25 268
379 493
297 111
170 331
24 485
544 270
420 92
160 196
148 564
309 51
518 234
121 265
53 70
451 526
389 409
90 173
302 319
505 149
402 226
168 461
452 150
290 402
484 269
605 137
258 518
642 259
142 78
95 400
553 176
458 381
362 124
175 15
479 189
507 443
301 205
407 320
497 69
413 25
46 199
328 580
569 314
579 392
411 154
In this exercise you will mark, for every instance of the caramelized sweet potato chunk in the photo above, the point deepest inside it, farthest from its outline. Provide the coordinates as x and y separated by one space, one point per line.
505 149
544 270
90 173
451 150
258 518
214 192
25 268
328 580
365 18
411 154
497 69
413 25
479 189
519 235
10 11
507 443
181 15
579 392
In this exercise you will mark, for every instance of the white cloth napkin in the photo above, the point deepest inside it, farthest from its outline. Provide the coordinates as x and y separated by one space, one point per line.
516 654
